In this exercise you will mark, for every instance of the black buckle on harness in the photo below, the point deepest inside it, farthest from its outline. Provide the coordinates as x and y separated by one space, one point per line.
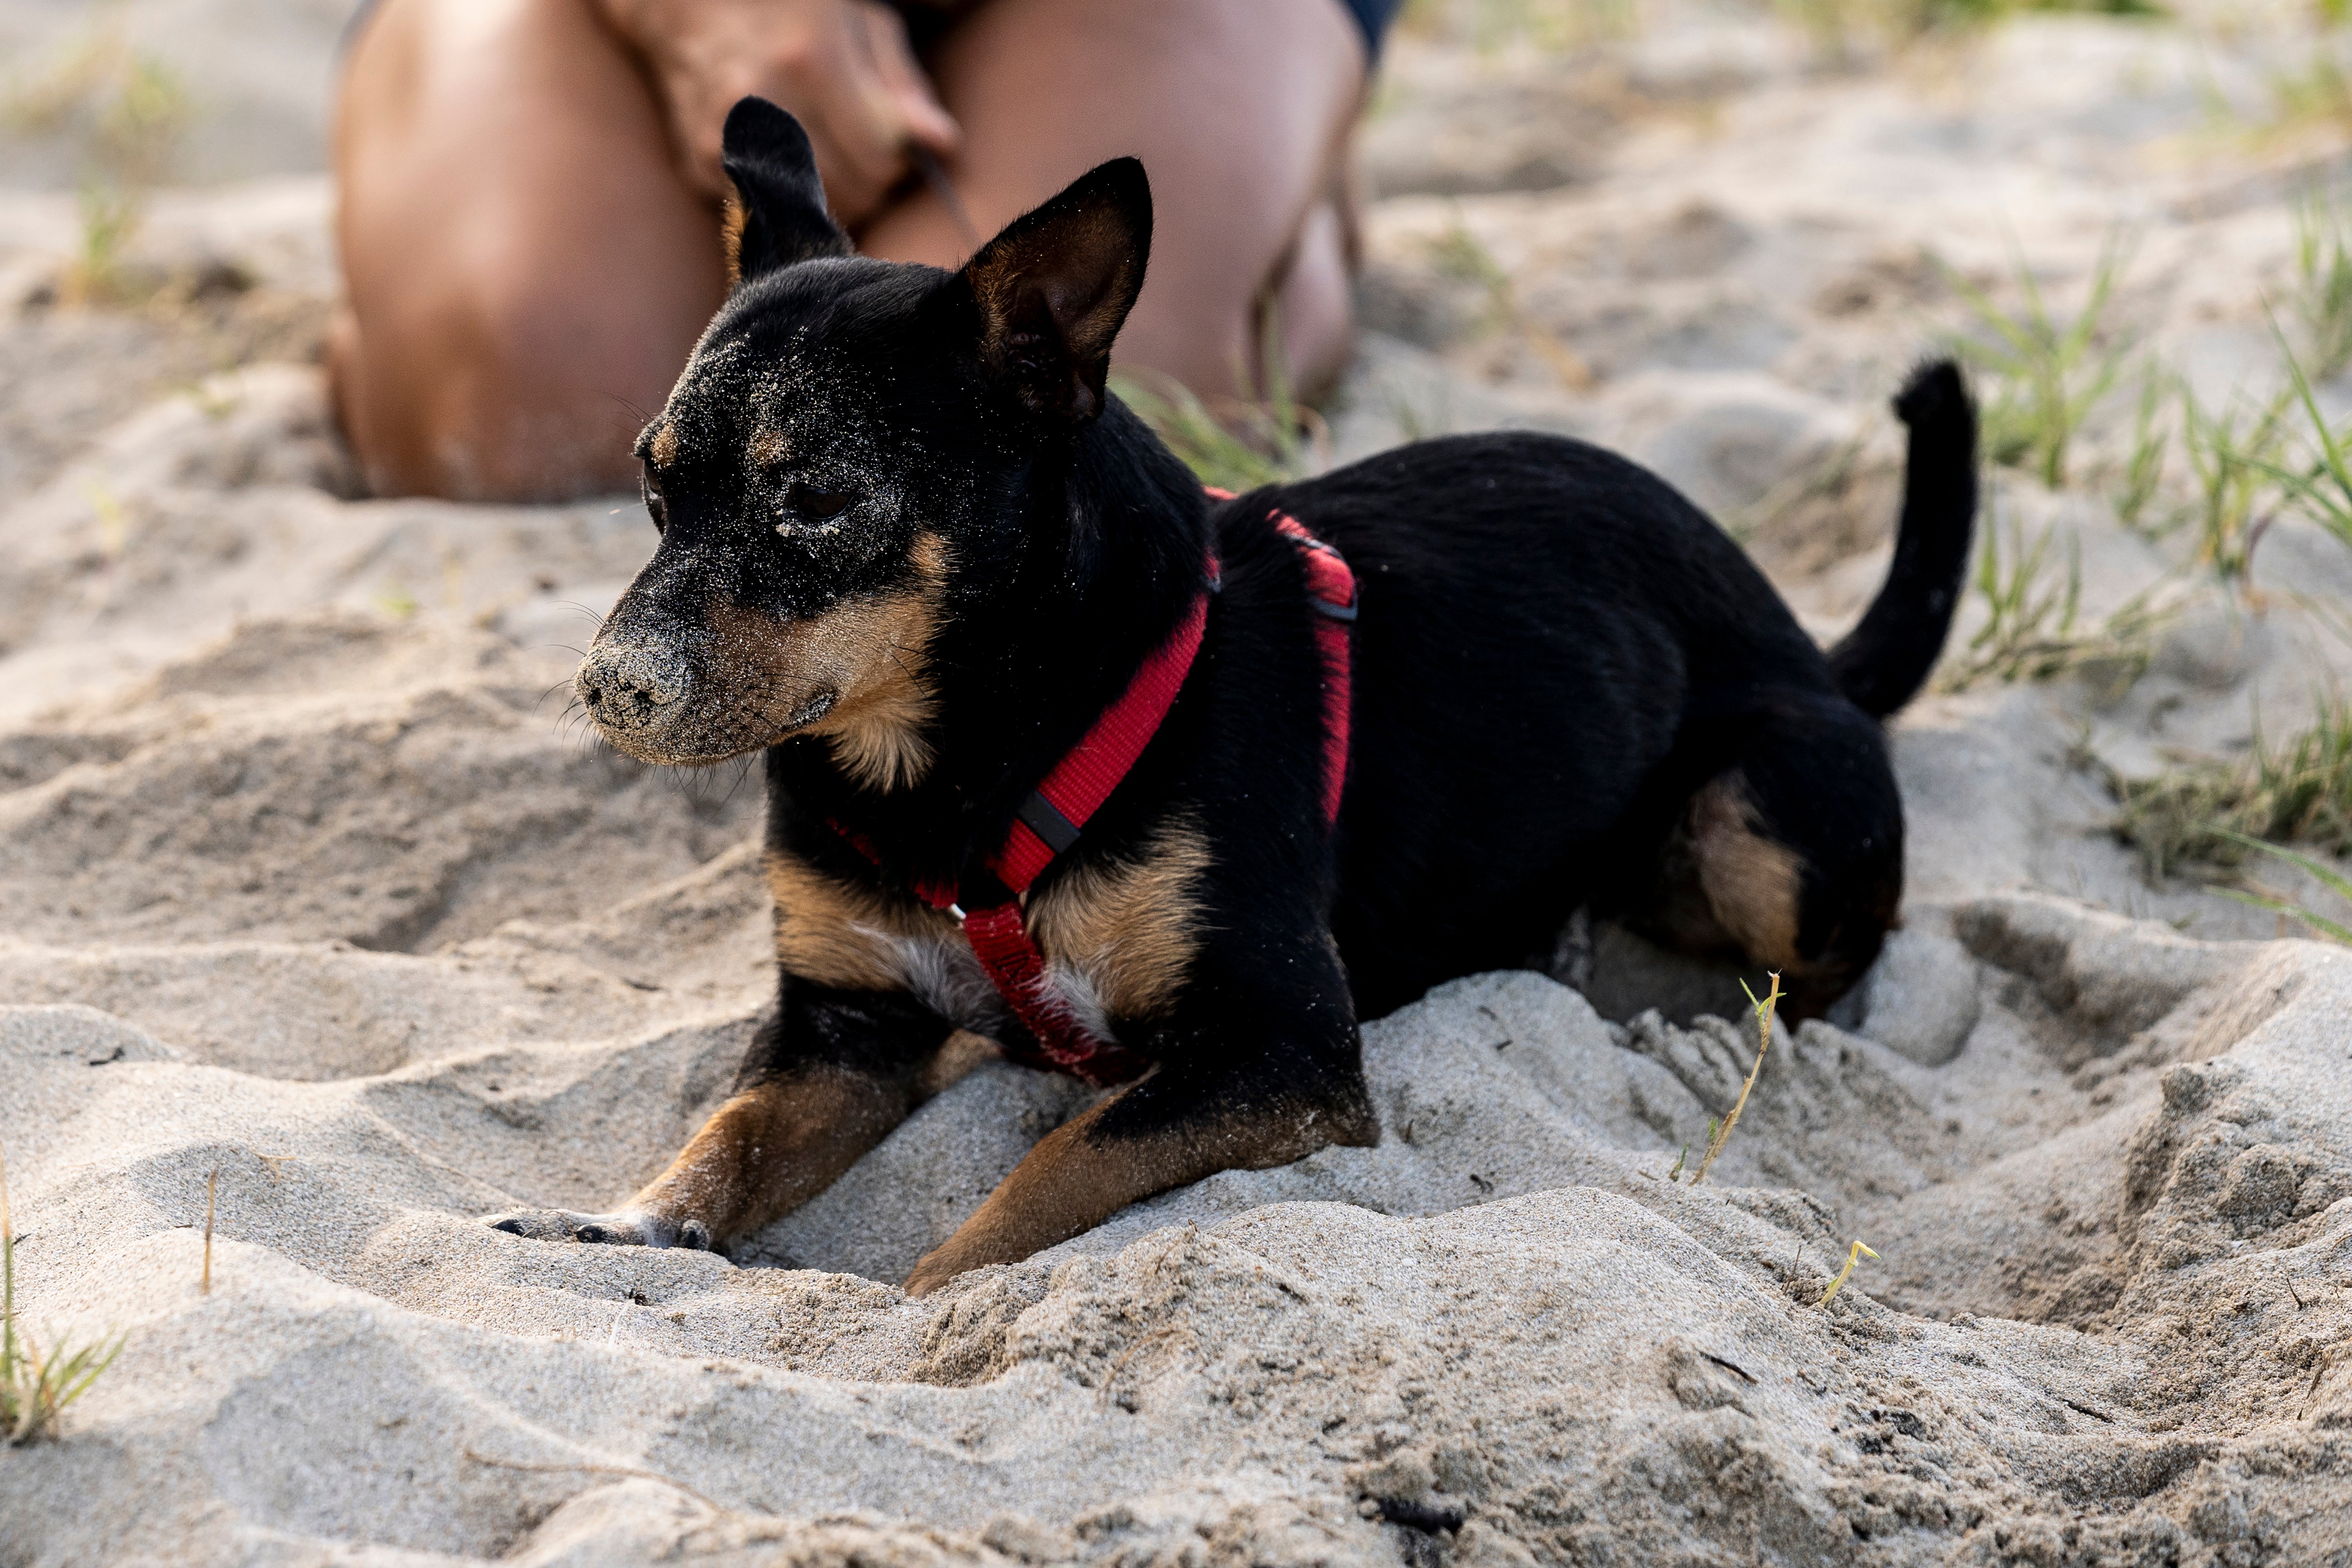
1046 822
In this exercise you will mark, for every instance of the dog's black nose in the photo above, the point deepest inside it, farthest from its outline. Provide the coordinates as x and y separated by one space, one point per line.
628 685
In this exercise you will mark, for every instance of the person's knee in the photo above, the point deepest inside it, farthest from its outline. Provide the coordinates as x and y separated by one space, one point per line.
525 270
488 389
1211 331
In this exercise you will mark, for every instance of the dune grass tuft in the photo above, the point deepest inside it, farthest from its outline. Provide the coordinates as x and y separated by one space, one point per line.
128 107
1458 255
2321 487
1246 444
2233 467
35 1388
2315 95
127 111
2045 373
2323 276
2034 628
2209 810
1262 445
2328 877
2143 470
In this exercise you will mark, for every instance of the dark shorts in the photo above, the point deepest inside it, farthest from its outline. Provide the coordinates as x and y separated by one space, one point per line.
1373 16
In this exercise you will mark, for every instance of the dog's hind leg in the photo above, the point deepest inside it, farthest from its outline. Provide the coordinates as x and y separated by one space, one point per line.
1789 859
826 1080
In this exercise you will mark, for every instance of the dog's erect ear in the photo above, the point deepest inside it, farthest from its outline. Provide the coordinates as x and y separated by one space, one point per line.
1053 288
778 217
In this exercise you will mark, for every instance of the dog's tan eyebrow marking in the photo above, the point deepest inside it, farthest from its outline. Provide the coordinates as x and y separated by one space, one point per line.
767 448
929 554
663 448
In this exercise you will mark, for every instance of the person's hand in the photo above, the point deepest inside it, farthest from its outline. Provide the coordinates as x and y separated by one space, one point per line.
843 66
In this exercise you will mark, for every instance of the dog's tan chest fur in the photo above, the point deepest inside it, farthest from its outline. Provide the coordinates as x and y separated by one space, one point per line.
1117 938
1130 928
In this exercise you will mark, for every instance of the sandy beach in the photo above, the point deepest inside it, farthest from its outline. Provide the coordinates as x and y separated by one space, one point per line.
315 906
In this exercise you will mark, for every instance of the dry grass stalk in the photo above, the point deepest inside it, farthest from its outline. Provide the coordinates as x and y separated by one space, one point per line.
1854 1253
1721 1135
212 1193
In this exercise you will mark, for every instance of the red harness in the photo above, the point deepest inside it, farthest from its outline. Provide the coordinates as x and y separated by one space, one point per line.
1053 816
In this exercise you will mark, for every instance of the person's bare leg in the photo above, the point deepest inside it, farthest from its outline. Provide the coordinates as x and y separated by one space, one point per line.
1238 108
1314 300
525 269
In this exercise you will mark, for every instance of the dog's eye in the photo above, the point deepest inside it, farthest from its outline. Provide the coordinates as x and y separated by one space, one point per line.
657 508
807 503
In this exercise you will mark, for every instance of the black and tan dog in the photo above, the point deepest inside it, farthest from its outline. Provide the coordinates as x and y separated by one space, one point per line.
912 548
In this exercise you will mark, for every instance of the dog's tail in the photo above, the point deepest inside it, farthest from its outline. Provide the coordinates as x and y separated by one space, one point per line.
1883 661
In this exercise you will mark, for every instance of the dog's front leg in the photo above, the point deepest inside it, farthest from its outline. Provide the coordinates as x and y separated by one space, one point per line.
1250 1076
826 1081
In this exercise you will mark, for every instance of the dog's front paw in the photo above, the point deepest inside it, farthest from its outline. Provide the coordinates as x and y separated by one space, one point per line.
628 1228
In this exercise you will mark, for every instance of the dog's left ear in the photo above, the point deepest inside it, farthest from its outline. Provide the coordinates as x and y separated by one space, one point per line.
1055 286
778 217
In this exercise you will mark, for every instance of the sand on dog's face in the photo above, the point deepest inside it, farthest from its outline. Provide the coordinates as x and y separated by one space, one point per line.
305 881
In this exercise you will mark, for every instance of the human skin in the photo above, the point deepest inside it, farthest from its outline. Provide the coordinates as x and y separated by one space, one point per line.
529 199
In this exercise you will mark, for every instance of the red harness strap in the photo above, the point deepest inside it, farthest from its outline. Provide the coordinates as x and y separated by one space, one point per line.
1331 590
1051 819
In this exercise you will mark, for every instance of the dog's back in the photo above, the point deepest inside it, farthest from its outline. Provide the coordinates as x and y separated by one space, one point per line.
1558 652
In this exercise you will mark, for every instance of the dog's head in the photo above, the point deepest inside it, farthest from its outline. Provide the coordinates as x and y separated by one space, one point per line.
843 463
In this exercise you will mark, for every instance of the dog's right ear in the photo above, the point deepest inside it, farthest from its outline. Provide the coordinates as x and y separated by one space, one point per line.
778 217
1054 288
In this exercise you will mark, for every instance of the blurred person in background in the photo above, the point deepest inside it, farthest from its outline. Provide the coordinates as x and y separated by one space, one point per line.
529 193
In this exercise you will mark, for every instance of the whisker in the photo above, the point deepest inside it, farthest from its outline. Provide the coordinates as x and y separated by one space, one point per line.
741 774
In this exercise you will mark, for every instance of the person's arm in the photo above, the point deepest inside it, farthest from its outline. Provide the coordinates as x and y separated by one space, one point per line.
843 66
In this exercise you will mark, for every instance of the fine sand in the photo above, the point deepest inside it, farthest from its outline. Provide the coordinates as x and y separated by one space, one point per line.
306 886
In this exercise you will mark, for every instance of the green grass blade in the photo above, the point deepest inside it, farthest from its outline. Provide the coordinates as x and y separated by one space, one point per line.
2334 881
2320 923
